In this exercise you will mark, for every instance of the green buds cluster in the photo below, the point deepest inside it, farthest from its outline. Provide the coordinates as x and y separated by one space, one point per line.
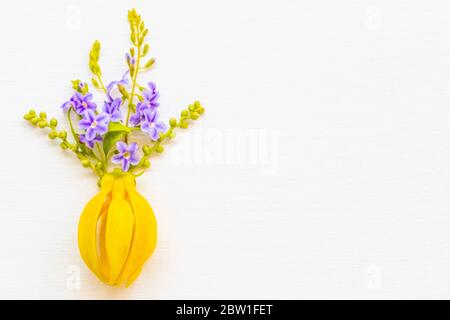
193 112
138 32
79 86
40 120
137 28
94 56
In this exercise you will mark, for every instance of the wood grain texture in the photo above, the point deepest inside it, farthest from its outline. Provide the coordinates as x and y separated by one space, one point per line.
320 170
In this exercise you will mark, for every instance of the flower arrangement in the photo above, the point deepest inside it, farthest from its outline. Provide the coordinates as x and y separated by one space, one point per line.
117 229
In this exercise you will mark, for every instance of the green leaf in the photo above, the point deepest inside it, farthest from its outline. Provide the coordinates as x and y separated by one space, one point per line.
116 132
117 126
110 140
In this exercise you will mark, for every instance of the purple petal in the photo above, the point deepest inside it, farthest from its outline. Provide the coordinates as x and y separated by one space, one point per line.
132 148
145 126
125 164
116 116
150 115
88 97
134 159
154 134
155 97
90 134
122 147
101 128
125 75
160 126
152 86
102 117
84 124
66 105
117 158
89 115
135 119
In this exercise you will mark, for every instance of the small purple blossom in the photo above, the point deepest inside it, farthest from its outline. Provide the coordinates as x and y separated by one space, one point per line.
83 103
112 109
81 86
90 143
151 125
151 95
94 124
74 100
138 116
130 60
127 155
112 84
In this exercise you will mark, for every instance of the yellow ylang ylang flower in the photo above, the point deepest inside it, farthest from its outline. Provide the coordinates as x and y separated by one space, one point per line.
117 229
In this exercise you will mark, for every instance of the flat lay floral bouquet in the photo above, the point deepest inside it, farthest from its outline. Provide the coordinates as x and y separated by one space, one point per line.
117 229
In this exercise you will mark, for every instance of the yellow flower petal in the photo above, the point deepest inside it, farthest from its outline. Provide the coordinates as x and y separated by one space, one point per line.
87 228
119 231
145 234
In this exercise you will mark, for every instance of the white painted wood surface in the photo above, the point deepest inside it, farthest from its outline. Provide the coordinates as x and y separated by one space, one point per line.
338 185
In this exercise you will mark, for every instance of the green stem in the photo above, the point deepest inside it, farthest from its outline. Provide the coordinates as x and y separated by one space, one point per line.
102 156
133 88
101 83
72 130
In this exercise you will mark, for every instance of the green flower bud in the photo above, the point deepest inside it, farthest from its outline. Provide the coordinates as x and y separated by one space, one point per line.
28 116
173 122
191 107
99 165
53 122
63 145
184 113
160 149
42 124
35 120
32 112
43 115
147 163
85 163
146 150
195 115
62 134
184 124
201 110
52 135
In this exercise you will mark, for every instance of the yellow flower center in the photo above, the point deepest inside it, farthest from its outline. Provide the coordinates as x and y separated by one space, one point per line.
126 155
84 104
94 124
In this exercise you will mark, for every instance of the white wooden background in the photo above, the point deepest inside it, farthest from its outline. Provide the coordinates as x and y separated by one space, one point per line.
336 186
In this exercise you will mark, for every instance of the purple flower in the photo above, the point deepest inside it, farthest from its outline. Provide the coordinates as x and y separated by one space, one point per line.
137 117
151 125
91 143
151 95
112 84
83 103
74 100
130 60
93 124
112 109
127 155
